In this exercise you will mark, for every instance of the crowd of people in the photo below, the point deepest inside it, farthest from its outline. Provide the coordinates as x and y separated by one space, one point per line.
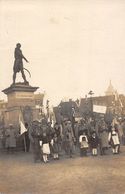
84 137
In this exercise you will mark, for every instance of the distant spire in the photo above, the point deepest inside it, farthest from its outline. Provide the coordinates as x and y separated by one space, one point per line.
110 90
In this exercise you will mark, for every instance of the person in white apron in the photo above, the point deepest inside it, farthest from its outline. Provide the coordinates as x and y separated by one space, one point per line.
44 143
83 140
114 141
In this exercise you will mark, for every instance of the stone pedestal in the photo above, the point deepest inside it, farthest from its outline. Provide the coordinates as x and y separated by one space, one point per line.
20 100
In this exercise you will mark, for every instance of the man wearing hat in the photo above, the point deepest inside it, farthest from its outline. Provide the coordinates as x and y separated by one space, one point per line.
68 138
35 135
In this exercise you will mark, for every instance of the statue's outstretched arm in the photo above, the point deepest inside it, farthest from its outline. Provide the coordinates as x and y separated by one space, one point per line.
20 53
25 59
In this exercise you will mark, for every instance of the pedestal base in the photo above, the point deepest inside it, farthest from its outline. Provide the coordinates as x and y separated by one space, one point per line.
20 101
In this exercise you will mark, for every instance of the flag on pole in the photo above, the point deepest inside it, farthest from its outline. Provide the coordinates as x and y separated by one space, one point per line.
114 122
22 126
22 129
117 98
120 103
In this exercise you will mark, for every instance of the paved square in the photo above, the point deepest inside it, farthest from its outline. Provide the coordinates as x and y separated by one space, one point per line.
89 175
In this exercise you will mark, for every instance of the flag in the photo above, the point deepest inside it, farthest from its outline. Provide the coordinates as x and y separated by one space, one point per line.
117 98
22 126
120 103
114 122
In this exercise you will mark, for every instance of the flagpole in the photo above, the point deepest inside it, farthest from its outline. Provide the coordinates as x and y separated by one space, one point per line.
24 138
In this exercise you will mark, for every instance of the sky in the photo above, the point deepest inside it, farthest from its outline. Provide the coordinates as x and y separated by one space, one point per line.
73 46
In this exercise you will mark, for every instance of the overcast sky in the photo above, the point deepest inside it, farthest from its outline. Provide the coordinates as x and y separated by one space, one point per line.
73 46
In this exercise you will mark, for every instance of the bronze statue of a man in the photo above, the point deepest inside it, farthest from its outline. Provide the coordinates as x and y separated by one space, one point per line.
18 63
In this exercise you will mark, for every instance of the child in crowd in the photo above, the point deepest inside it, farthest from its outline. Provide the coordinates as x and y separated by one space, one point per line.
83 140
114 141
45 147
94 142
55 147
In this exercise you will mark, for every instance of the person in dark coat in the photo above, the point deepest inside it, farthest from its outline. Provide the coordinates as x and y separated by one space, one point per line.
103 135
55 147
1 139
58 132
35 137
94 142
68 139
81 127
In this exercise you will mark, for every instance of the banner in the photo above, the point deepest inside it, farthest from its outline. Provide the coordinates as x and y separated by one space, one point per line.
99 109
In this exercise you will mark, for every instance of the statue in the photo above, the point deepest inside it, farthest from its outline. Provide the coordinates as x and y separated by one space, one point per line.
18 64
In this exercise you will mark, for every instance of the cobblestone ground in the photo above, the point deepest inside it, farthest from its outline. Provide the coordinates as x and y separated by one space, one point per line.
89 175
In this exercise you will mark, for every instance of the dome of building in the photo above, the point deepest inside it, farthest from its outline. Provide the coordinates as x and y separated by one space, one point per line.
110 90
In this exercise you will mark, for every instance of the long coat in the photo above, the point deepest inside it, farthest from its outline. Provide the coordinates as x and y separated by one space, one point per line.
10 138
55 145
69 140
104 139
1 138
35 136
